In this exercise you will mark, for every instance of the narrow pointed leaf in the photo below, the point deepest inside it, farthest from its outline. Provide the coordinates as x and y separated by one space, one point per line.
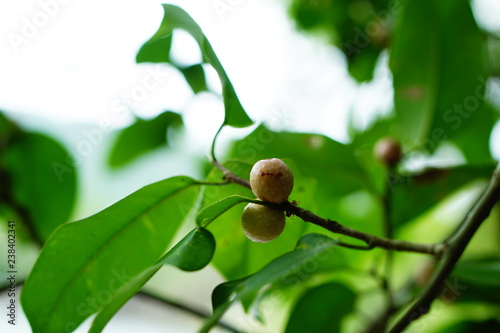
177 18
312 248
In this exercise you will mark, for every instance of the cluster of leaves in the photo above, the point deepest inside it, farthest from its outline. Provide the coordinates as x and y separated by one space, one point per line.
88 267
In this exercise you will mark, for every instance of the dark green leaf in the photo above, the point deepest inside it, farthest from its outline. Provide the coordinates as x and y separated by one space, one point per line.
413 195
177 18
492 325
43 180
195 77
192 253
141 137
310 250
321 309
437 97
85 263
475 281
483 272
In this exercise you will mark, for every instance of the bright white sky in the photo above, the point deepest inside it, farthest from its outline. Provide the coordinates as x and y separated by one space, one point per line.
78 63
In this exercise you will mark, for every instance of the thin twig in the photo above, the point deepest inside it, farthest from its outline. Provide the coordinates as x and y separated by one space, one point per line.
456 246
185 308
372 241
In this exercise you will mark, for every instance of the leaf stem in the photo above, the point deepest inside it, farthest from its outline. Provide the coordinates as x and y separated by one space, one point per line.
456 246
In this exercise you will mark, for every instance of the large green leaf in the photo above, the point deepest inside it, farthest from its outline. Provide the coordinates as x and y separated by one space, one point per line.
177 18
85 263
192 253
321 309
43 180
311 248
475 281
439 71
141 137
414 194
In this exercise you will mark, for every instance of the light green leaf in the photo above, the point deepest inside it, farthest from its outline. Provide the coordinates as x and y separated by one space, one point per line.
192 253
321 309
142 137
437 97
43 180
213 211
177 18
85 263
311 248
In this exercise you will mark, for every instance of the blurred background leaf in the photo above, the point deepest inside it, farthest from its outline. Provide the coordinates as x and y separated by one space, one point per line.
43 181
321 309
360 28
436 96
414 194
192 253
143 136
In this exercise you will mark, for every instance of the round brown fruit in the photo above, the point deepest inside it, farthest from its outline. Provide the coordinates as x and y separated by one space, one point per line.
271 180
388 151
262 224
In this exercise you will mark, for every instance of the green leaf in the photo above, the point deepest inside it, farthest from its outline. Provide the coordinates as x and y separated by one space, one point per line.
436 96
310 250
491 325
85 263
213 211
321 309
195 77
44 180
475 281
484 272
177 18
142 137
192 253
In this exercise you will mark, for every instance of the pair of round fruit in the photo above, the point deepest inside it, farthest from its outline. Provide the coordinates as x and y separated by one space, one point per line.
271 180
